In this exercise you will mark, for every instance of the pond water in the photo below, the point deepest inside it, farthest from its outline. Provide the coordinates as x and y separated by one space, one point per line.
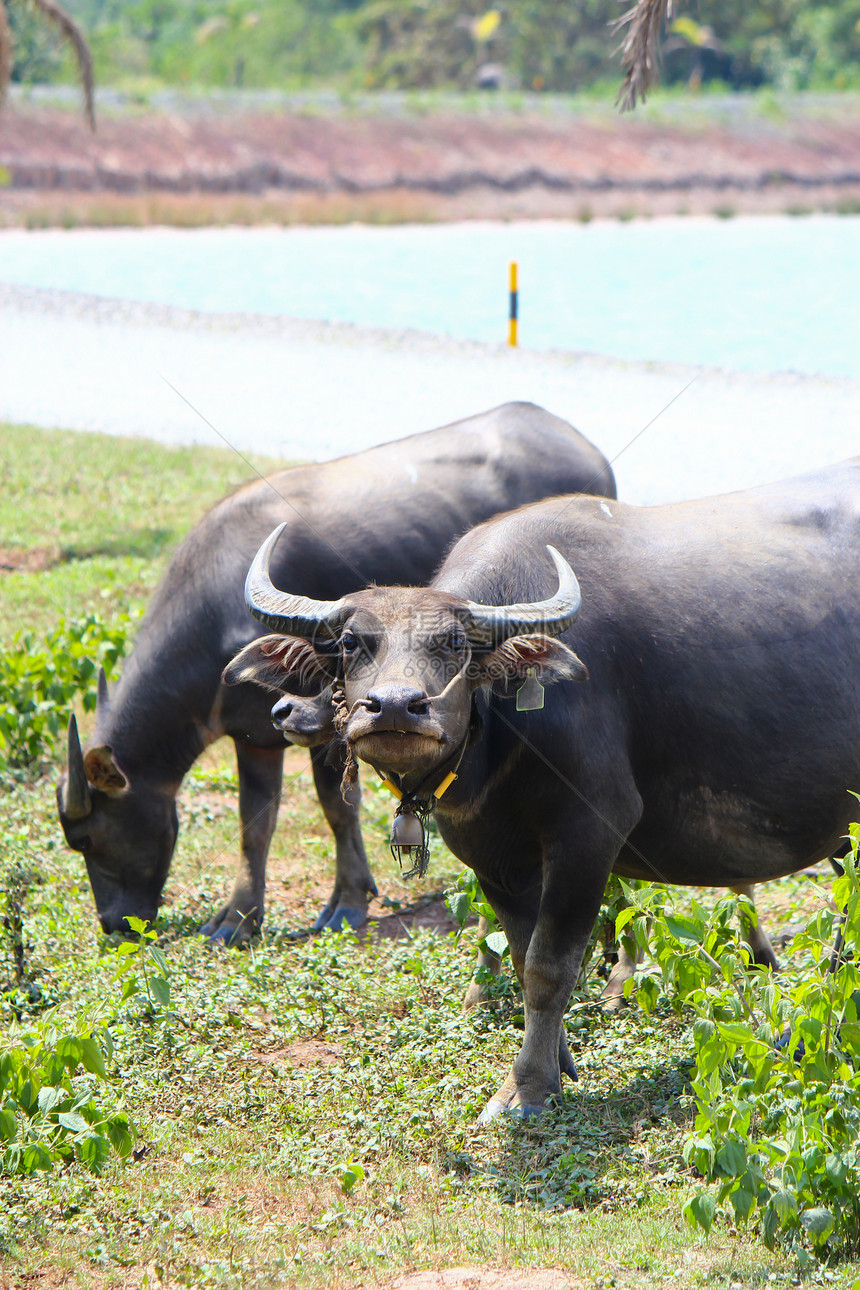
767 293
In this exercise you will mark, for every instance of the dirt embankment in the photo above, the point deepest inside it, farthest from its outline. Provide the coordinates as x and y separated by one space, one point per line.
196 166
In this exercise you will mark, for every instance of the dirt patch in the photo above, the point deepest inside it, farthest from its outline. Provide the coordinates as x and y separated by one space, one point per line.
33 560
475 1278
303 1053
430 912
196 168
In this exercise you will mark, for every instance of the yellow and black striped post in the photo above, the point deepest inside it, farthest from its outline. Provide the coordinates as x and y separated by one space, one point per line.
512 309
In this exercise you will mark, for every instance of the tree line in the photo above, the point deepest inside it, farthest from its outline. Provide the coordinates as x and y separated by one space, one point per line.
535 45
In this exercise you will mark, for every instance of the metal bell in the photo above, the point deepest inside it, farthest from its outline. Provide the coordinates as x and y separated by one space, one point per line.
408 844
407 832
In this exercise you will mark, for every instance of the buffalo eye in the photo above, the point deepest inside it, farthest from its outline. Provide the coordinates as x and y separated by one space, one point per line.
456 640
84 844
349 642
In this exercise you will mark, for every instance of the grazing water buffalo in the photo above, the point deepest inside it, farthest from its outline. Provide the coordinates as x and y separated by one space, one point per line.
386 515
711 740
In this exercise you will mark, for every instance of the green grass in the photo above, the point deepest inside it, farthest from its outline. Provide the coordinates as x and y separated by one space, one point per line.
98 515
273 1069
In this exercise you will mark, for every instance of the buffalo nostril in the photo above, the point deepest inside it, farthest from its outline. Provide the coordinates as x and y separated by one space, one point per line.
394 699
280 712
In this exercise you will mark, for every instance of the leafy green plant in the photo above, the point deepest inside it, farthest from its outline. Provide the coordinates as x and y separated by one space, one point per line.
49 1110
349 1172
144 966
41 680
776 1083
466 900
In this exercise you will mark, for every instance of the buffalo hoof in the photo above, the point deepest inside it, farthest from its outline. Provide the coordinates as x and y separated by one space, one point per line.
475 995
342 916
521 1111
783 1041
225 934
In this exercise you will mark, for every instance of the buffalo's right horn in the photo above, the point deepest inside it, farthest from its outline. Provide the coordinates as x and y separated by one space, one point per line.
492 624
76 802
280 611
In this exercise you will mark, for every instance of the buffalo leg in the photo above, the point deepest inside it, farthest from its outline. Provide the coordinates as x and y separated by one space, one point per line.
549 966
612 997
753 933
353 881
520 921
260 774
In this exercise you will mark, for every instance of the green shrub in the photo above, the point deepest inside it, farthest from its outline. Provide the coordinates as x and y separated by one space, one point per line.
49 1112
776 1083
41 680
144 966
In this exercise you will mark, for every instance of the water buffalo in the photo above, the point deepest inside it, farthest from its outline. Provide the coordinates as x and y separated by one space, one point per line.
703 728
387 514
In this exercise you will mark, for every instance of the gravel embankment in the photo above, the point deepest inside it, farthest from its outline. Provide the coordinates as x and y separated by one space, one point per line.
308 389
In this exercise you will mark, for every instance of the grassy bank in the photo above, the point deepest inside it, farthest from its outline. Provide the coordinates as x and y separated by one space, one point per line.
306 1110
190 159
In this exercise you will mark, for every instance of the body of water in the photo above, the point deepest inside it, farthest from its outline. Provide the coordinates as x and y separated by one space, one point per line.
767 293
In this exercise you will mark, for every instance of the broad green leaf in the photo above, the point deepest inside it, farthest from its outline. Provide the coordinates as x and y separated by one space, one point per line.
94 1151
685 929
92 1056
742 1202
459 904
72 1121
35 1156
785 1205
51 1097
626 916
700 1211
121 1133
160 991
496 942
731 1159
818 1223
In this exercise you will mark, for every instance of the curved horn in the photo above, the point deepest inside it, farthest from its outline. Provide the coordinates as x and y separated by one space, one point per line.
280 611
75 802
103 701
492 624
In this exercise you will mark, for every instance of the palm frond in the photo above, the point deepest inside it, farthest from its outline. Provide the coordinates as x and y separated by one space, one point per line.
639 55
73 34
5 53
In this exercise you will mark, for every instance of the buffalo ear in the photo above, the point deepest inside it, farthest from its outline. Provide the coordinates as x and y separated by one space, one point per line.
103 772
275 661
543 657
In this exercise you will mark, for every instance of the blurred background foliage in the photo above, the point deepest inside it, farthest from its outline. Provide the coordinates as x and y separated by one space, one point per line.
441 44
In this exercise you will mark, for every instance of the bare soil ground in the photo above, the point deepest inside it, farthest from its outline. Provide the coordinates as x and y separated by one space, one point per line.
196 167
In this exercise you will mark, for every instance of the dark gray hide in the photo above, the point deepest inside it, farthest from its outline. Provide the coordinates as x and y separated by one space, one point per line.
386 515
713 743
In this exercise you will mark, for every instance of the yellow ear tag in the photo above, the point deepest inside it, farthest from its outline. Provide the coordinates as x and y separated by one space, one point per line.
445 785
530 695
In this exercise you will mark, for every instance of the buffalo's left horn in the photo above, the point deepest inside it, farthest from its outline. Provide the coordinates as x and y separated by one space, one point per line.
76 802
103 699
492 624
280 611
